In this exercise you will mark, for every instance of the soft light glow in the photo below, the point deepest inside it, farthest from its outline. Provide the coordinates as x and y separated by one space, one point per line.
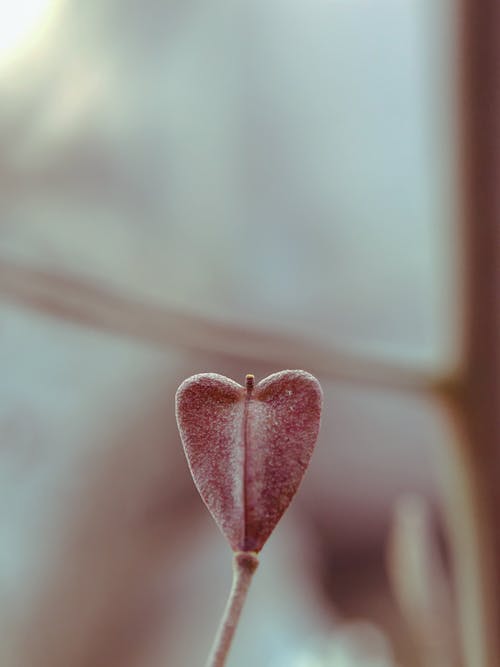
22 24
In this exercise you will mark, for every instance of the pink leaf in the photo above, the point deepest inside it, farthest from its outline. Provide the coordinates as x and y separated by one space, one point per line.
248 447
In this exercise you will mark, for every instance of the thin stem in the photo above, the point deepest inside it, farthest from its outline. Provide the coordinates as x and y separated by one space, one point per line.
244 565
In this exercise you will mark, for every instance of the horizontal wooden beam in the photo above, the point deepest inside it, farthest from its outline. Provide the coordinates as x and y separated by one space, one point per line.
82 301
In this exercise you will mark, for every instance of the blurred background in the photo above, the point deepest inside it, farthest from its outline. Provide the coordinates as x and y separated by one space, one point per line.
238 188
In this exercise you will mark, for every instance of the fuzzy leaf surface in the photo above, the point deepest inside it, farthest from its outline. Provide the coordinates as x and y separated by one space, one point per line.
248 447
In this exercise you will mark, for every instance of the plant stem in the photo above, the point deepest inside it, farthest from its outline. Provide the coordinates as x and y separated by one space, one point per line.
244 565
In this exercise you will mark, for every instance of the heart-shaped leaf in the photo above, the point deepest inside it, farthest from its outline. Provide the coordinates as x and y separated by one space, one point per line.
248 447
